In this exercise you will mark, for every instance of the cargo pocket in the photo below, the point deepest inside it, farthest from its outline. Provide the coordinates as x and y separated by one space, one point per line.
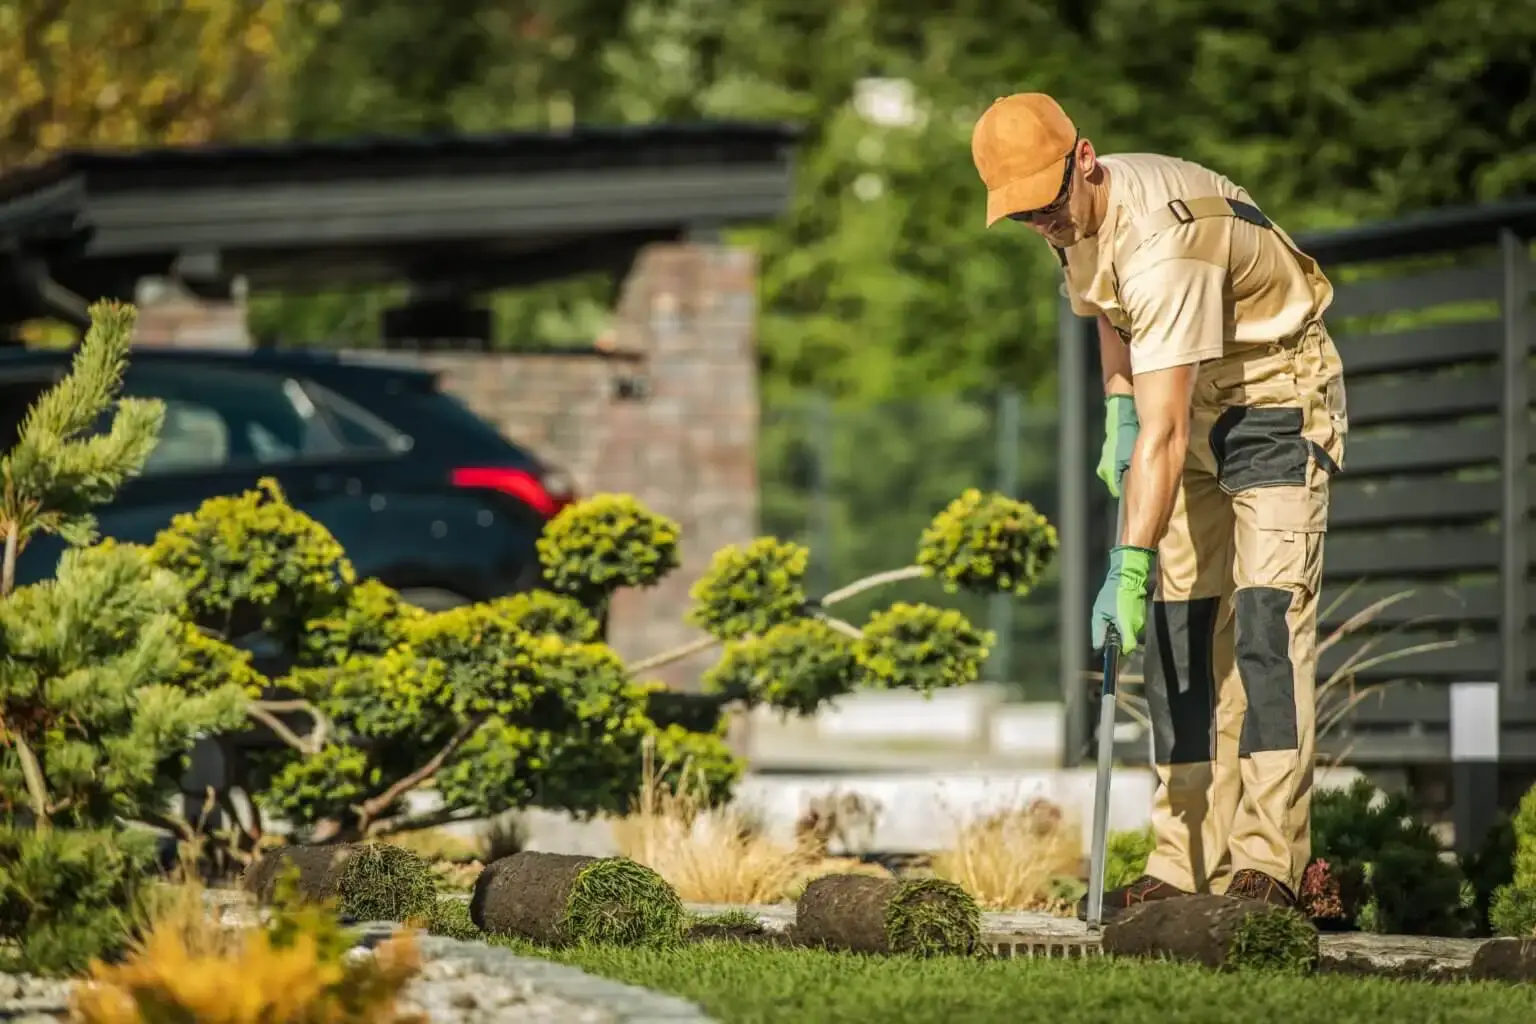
1280 537
1260 447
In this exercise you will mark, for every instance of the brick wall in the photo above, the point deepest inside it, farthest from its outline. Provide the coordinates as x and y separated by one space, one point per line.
663 407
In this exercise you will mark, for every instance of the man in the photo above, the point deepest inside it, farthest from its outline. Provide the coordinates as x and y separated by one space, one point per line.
1225 418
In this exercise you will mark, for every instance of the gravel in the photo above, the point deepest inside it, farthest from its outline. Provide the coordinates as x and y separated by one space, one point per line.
460 983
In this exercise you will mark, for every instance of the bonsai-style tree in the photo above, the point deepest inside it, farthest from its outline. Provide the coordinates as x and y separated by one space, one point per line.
494 706
94 716
780 646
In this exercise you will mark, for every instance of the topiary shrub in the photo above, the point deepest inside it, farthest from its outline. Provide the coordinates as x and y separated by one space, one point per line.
750 589
1407 886
542 613
606 542
788 650
922 648
988 542
795 666
382 882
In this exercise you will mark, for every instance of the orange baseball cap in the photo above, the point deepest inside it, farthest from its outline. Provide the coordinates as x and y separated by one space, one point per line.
1020 147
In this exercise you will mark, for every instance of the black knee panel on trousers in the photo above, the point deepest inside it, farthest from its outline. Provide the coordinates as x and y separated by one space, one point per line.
1181 681
1264 663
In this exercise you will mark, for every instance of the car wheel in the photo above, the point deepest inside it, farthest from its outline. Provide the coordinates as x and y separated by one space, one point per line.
433 599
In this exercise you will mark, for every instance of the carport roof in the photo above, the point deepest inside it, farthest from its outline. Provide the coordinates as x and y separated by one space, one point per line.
492 209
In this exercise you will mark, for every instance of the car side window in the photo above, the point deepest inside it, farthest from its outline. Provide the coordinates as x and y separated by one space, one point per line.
359 429
216 418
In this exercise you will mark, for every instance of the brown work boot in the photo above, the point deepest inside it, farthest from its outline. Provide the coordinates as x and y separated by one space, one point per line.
1117 901
1249 884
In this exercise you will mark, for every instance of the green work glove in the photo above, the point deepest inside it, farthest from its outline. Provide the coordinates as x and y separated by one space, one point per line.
1120 428
1122 600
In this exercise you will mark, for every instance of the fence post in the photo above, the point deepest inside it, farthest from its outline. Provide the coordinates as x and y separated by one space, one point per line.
1476 707
1000 606
1073 369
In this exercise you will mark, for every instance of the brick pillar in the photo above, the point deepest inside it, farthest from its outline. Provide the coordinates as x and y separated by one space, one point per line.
689 450
663 407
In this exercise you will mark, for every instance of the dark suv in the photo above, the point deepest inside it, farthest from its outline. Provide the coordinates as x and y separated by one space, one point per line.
423 494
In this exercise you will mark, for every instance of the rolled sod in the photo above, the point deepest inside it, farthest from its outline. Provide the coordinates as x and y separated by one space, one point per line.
558 899
1217 931
865 914
319 871
381 882
1505 960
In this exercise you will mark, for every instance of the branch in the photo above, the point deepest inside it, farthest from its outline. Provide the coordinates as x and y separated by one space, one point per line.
412 823
374 805
284 733
703 643
879 579
321 729
32 771
849 630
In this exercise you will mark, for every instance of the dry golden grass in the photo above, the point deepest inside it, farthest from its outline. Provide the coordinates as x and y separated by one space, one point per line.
189 966
1009 860
717 854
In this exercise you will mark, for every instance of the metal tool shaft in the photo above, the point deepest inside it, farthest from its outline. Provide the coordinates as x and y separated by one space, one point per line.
1097 851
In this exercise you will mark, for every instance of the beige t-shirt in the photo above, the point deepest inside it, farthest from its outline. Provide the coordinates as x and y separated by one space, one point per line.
1187 293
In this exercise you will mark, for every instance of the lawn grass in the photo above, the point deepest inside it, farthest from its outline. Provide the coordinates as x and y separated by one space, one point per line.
740 984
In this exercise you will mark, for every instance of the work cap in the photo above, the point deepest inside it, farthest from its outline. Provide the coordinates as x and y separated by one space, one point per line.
1020 146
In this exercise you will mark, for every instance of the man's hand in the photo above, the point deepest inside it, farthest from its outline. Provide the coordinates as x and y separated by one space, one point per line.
1120 429
1157 462
1122 600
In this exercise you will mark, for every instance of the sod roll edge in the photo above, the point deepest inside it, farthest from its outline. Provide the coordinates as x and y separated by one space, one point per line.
1217 931
558 899
865 914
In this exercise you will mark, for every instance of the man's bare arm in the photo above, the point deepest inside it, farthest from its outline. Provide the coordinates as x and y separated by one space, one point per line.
1162 405
1115 359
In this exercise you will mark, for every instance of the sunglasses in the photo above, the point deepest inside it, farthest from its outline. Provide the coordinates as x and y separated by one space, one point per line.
1025 216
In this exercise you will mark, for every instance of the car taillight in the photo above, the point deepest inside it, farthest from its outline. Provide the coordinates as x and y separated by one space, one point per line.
518 483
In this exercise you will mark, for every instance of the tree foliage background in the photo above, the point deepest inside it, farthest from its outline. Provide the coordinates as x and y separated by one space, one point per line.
880 286
880 282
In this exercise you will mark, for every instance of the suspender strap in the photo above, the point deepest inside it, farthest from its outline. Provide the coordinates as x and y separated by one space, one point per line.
1187 211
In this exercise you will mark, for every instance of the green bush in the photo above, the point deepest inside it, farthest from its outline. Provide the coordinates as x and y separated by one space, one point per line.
1513 911
68 896
1409 888
794 666
750 589
921 647
988 543
1126 854
1524 828
595 547
252 561
542 612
